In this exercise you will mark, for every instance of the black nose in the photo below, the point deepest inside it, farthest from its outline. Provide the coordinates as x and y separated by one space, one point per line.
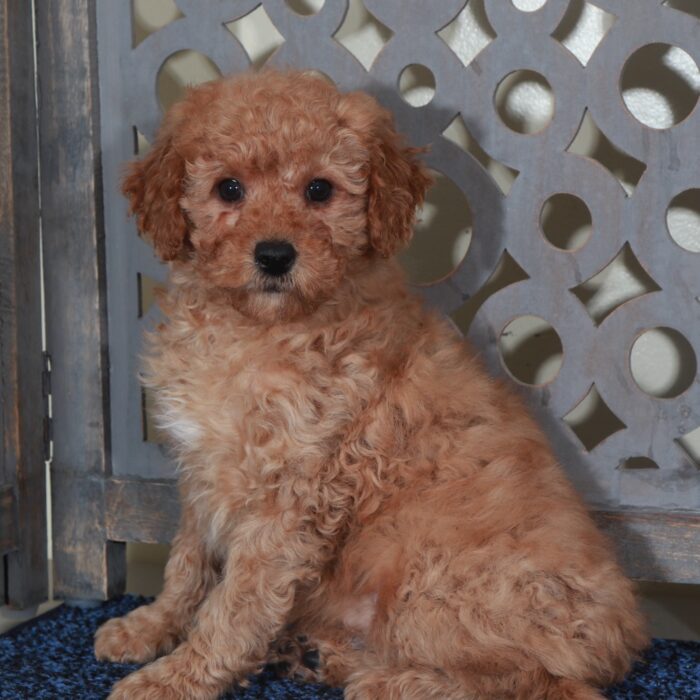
275 258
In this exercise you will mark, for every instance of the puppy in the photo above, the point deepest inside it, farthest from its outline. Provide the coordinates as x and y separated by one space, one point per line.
351 479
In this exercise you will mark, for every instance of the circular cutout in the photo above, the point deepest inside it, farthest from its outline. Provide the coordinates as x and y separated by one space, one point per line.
662 362
529 5
305 7
180 70
683 220
442 233
531 350
524 101
660 84
417 84
566 221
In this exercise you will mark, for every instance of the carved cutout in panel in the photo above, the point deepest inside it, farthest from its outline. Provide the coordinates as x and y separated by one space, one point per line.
592 421
582 29
522 260
620 281
591 142
690 443
257 34
442 233
362 34
660 85
459 134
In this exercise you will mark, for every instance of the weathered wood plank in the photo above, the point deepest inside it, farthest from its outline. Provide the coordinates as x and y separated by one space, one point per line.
85 564
141 511
22 405
8 529
655 546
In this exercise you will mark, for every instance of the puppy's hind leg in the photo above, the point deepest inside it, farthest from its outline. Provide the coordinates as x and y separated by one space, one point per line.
420 683
156 629
387 683
566 689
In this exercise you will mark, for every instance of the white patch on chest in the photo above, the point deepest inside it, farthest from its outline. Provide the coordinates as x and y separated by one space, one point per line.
176 419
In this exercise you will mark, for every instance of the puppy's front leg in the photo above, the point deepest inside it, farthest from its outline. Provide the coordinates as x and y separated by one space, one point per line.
240 618
156 629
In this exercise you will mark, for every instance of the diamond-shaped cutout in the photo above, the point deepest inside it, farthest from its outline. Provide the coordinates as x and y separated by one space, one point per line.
620 281
362 34
692 7
690 443
469 33
582 29
592 421
257 35
639 462
149 290
591 142
147 17
459 134
507 272
141 143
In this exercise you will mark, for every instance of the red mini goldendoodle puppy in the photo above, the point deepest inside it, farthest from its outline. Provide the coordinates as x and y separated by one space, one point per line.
351 479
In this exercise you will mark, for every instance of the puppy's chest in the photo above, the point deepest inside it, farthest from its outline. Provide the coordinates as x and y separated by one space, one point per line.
253 402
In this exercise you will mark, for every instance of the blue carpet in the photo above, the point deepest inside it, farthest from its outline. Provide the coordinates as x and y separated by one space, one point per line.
51 658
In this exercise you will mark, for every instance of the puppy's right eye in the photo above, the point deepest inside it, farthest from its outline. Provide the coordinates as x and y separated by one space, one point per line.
230 190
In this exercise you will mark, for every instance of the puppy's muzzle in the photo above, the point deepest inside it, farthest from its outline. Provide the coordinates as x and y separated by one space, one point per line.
275 258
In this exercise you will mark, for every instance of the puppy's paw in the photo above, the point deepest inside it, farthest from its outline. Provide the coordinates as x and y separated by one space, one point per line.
141 686
130 640
179 676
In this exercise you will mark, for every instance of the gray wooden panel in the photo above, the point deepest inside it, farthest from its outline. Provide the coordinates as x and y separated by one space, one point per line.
87 565
655 546
8 520
22 471
84 564
592 353
141 511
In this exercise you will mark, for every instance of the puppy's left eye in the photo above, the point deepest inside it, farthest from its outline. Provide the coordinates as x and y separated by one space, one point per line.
319 190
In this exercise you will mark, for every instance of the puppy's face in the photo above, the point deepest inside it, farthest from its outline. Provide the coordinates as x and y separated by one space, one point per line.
275 187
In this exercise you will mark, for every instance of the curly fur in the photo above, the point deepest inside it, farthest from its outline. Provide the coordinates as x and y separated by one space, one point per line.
351 479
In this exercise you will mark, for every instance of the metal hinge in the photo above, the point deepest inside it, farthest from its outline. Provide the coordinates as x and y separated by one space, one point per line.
46 391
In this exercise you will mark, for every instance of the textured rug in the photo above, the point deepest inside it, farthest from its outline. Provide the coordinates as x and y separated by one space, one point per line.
51 658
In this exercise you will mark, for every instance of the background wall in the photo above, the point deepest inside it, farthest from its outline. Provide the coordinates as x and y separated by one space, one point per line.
660 88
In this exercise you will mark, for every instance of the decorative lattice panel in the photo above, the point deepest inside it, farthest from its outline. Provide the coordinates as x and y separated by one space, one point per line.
505 221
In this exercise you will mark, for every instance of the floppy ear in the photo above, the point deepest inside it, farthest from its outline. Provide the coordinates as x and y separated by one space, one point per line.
397 180
153 186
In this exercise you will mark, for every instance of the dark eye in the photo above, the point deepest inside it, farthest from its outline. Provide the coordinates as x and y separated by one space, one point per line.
319 190
230 190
